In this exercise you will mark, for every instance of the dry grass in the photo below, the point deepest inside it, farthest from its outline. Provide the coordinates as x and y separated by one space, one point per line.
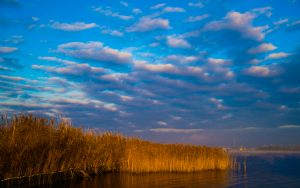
31 145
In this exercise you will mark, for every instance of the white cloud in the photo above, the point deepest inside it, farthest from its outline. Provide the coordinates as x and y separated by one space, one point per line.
108 12
158 6
12 78
116 77
137 11
154 44
278 55
217 102
95 51
173 130
17 78
148 24
5 49
162 123
288 89
264 47
181 59
227 116
172 9
76 26
177 42
176 118
289 127
218 61
240 22
35 18
263 10
197 18
261 71
125 4
281 21
126 98
198 4
112 32
71 67
295 23
169 68
83 100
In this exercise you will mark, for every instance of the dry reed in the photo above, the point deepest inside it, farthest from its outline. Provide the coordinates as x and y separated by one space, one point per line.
31 145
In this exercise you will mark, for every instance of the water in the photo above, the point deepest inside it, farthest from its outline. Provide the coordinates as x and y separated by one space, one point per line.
261 171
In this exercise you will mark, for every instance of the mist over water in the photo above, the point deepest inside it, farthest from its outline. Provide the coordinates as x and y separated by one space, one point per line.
269 170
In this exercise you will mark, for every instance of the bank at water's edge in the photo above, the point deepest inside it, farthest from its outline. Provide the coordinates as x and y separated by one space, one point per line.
40 151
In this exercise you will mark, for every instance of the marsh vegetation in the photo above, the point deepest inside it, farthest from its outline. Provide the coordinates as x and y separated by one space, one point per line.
31 146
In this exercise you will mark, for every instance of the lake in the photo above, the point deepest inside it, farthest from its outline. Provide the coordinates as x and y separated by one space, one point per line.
263 170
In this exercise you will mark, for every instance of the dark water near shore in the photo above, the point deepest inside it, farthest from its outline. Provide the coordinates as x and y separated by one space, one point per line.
272 170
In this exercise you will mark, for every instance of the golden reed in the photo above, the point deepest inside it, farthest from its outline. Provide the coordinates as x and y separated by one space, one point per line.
31 146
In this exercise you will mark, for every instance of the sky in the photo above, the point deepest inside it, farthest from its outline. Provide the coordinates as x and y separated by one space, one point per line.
222 72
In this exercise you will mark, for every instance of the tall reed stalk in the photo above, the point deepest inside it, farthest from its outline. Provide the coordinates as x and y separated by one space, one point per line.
31 145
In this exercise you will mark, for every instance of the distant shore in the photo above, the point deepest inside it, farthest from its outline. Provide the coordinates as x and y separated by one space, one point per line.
252 152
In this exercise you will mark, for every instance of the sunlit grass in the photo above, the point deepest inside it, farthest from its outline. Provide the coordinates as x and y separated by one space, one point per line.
31 145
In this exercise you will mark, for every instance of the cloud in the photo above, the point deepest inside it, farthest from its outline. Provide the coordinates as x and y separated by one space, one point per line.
17 79
166 68
126 98
294 26
116 77
149 24
162 123
218 61
15 39
217 102
125 4
158 6
2 68
240 22
137 11
95 51
172 9
198 4
76 26
71 68
177 42
197 18
264 47
289 127
281 21
35 18
5 49
82 100
278 55
112 32
263 10
173 130
108 12
181 59
11 63
261 71
290 90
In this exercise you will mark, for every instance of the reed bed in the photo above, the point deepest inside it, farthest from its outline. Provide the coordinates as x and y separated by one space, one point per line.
31 145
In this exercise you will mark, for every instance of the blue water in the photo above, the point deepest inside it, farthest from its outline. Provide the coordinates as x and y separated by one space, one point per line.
261 171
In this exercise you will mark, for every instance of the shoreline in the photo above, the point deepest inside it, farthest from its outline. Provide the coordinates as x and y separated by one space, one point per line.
261 152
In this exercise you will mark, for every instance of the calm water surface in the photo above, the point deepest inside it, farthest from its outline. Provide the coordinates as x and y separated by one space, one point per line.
261 171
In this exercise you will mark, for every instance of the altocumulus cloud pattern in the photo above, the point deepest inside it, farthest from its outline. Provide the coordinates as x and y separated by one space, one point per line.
172 71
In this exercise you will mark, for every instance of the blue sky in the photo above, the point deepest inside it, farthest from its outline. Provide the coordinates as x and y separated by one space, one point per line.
223 72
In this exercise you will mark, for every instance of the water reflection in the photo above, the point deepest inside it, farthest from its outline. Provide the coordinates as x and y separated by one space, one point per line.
253 171
126 180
